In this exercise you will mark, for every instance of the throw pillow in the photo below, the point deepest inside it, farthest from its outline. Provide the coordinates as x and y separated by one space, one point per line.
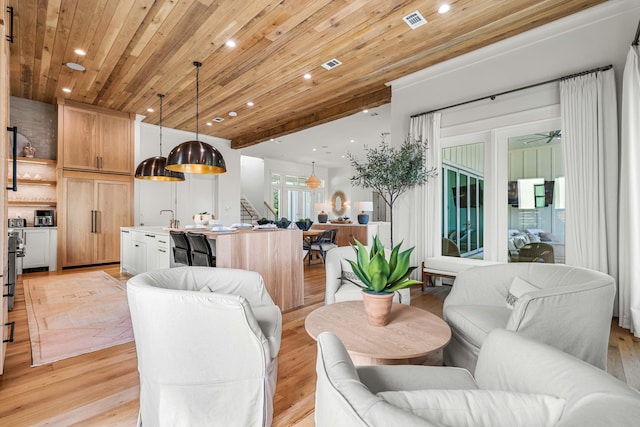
347 273
547 237
520 240
518 288
534 230
494 408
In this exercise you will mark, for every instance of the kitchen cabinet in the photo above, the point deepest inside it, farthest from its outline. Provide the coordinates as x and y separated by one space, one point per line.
94 207
94 139
144 251
36 243
158 255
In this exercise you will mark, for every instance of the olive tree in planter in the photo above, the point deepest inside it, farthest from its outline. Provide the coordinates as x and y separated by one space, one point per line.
390 171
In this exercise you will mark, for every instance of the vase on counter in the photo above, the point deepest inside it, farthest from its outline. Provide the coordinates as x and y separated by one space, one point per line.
203 219
29 150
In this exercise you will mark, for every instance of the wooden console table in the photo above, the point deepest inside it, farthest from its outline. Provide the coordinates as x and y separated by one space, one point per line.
347 233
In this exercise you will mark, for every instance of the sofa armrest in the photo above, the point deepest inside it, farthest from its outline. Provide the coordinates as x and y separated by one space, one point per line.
410 377
486 285
269 320
573 318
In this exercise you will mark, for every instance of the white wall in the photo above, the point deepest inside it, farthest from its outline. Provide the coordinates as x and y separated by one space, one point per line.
219 194
595 37
254 181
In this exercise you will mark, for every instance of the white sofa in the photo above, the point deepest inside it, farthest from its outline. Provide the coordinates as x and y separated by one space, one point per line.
518 382
207 341
338 289
567 307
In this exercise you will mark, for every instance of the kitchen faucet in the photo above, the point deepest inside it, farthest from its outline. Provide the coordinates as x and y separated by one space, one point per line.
173 223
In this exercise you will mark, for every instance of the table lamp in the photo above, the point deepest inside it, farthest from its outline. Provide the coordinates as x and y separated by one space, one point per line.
322 216
363 218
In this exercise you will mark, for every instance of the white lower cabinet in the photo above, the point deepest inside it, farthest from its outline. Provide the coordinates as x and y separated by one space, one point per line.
40 248
157 251
142 250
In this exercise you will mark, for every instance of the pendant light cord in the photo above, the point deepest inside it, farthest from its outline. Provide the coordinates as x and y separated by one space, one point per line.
160 95
198 65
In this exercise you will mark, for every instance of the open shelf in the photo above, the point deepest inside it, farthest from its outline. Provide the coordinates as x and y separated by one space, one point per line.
25 203
33 182
35 161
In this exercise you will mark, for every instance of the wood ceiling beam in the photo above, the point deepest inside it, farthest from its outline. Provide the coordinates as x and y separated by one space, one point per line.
325 115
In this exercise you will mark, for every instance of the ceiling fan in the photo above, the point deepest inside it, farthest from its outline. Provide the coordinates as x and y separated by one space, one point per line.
546 137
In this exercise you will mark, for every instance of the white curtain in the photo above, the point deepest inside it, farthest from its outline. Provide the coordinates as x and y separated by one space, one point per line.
590 139
422 228
629 274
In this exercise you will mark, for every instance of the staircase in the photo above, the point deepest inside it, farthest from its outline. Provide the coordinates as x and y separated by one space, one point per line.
248 214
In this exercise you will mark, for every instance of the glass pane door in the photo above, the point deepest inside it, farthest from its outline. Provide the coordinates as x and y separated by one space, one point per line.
463 210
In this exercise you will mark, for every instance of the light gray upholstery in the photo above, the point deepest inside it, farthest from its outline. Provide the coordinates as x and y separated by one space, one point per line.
338 289
347 395
207 341
571 311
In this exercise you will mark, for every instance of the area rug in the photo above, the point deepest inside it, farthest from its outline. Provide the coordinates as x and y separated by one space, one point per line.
74 314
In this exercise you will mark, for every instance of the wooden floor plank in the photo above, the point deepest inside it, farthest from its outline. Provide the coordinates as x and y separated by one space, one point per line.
101 388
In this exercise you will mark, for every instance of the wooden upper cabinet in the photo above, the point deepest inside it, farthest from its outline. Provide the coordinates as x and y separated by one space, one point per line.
95 139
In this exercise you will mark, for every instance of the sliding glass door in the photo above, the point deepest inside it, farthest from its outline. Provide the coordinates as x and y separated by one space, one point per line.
463 213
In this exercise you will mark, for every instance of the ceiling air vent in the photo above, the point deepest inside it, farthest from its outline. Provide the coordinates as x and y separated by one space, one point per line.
331 64
218 119
414 20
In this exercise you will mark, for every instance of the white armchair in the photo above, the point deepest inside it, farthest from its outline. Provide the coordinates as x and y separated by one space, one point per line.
567 307
207 341
338 289
518 382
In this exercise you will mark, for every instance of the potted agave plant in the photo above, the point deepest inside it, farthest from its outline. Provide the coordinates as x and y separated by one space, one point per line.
380 278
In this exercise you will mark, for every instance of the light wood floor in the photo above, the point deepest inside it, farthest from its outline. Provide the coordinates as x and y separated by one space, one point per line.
101 388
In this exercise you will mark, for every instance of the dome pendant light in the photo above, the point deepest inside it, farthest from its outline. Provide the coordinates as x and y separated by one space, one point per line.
153 168
313 181
196 156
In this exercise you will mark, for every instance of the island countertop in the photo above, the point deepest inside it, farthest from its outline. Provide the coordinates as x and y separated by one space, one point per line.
274 253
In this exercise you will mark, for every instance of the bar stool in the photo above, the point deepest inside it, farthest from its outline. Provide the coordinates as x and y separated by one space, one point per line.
181 249
201 253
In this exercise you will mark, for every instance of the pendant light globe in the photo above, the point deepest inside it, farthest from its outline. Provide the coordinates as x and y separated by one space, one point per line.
196 156
154 168
313 181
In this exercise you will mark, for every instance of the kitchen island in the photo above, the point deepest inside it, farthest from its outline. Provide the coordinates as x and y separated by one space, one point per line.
275 254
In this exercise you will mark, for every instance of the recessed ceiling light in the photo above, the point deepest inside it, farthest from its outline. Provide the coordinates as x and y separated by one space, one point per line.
250 104
353 140
342 156
80 52
365 111
74 66
209 124
66 89
230 43
307 76
313 149
233 113
444 8
150 110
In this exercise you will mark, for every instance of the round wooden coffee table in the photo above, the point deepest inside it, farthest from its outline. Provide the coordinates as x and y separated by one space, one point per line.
412 333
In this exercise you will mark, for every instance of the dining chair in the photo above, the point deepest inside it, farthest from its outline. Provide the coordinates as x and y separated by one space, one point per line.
181 249
325 242
201 252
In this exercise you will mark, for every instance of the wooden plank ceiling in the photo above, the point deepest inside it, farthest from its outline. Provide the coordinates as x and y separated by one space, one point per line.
138 48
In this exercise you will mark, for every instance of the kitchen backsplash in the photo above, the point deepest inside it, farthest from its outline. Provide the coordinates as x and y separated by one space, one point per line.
37 123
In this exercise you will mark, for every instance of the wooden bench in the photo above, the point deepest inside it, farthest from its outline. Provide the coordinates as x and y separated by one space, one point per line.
448 267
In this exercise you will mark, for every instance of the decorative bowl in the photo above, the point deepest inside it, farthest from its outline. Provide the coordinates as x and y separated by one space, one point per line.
304 225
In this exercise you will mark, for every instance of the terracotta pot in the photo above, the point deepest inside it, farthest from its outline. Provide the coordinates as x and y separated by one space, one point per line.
377 307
